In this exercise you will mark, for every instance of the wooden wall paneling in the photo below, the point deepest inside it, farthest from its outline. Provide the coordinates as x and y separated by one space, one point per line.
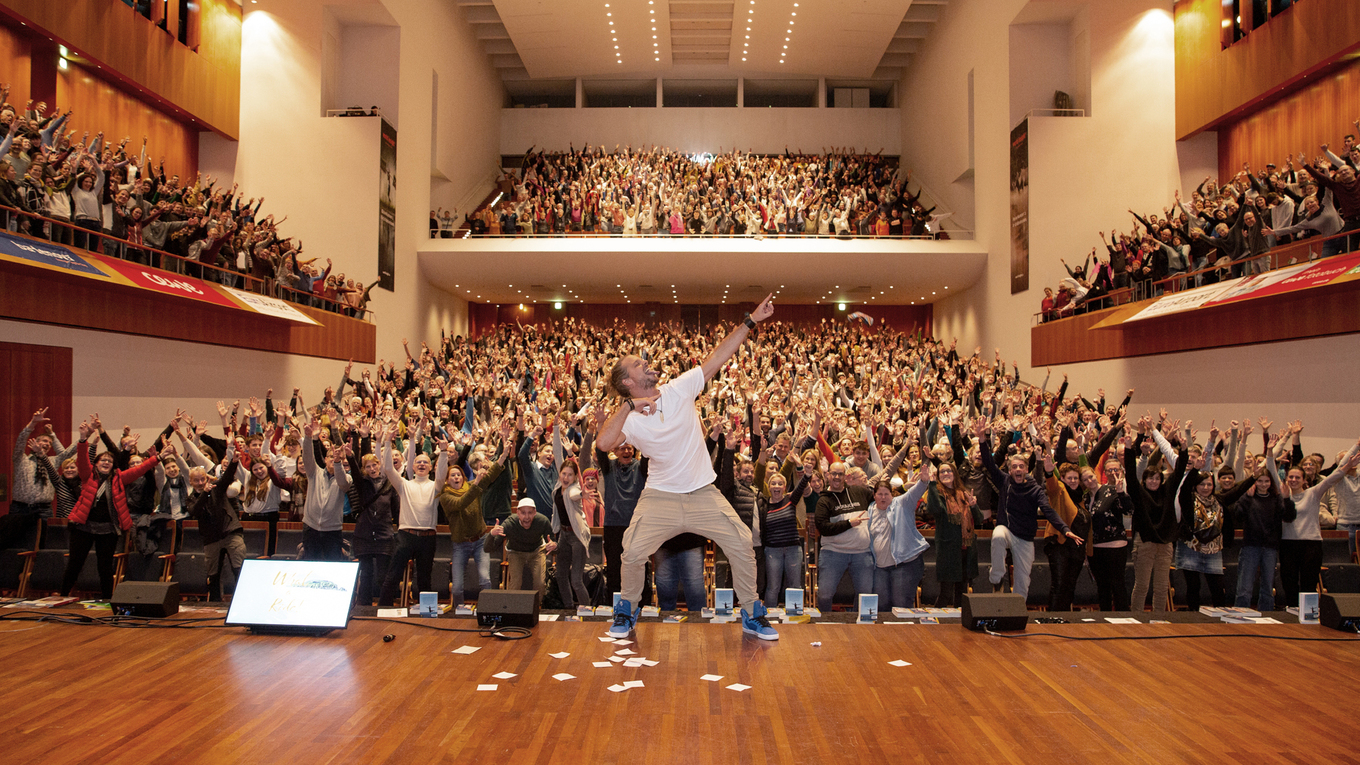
34 377
14 63
1319 113
50 297
97 105
1216 85
204 84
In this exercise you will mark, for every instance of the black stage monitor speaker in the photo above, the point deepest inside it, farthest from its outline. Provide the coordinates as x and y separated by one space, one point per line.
146 599
998 612
1340 611
508 608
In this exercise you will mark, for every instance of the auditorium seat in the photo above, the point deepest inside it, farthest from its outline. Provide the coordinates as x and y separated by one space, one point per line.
290 536
188 565
1341 577
256 537
16 563
1040 577
48 560
150 568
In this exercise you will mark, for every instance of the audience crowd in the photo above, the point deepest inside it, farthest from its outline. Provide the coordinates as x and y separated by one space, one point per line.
657 191
1228 229
91 193
835 440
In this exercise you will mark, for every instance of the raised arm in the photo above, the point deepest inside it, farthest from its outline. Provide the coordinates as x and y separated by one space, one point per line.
735 338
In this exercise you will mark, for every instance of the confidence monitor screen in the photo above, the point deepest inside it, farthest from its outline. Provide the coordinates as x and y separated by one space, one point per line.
295 596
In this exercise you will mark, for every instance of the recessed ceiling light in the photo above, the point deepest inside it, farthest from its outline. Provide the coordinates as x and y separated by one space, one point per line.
609 14
653 37
743 58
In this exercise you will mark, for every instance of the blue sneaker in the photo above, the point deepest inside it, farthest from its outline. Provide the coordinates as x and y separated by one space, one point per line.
625 618
756 623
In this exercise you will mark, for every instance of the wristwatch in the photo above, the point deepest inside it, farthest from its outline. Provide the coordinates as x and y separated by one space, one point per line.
749 322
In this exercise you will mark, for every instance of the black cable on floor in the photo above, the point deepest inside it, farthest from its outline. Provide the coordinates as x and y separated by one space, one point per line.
503 633
1177 637
85 620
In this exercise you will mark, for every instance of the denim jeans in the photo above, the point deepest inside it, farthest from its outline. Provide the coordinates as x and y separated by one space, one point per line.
461 552
831 566
896 585
680 569
1250 561
783 570
1022 556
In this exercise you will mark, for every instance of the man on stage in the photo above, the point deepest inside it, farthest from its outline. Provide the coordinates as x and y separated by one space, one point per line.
664 424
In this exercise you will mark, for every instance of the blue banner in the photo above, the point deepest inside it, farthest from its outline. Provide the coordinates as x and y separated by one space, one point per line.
45 254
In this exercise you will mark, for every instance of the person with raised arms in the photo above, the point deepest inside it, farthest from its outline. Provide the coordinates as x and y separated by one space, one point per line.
663 422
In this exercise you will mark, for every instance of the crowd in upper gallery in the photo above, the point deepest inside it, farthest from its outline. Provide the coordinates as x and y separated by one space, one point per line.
1223 230
91 193
834 440
664 192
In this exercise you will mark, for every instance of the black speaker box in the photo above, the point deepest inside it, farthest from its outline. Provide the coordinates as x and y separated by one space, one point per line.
146 599
1340 611
508 608
998 612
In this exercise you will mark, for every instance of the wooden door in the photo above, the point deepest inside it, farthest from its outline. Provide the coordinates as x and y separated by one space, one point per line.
31 377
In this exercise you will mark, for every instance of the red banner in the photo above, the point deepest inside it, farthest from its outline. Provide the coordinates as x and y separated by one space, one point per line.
170 284
1318 274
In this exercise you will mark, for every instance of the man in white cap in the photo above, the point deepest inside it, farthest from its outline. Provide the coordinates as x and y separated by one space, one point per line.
527 536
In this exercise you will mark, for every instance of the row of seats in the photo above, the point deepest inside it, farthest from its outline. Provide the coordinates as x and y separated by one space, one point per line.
37 568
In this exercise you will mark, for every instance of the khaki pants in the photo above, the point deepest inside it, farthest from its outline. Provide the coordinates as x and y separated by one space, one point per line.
518 562
1151 566
235 546
661 515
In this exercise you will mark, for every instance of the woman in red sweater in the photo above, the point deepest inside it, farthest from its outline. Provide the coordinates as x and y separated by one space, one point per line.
101 514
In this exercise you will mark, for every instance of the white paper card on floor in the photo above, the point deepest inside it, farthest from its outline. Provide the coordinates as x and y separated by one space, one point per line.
561 676
504 675
467 649
487 687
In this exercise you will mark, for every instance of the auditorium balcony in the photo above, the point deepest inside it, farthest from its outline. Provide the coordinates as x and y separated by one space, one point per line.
686 269
1297 293
73 277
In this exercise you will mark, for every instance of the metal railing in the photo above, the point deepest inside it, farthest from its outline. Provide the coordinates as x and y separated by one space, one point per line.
465 233
1305 250
1310 249
68 234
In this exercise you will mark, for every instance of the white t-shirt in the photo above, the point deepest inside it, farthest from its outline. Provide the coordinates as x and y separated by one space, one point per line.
673 437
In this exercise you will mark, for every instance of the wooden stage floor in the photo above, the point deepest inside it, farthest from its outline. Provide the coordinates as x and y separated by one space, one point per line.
104 695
